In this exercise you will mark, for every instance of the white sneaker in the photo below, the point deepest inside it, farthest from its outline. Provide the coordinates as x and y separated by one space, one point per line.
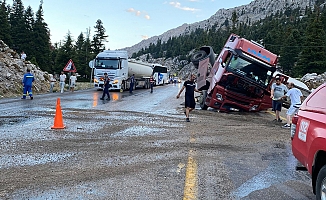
286 126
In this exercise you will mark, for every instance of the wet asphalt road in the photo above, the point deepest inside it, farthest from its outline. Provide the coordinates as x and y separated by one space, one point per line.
140 147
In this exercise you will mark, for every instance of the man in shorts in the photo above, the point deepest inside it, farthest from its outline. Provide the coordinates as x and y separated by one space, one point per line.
190 87
278 90
296 98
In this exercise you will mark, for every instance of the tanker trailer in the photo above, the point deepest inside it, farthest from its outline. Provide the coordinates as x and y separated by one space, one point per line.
142 72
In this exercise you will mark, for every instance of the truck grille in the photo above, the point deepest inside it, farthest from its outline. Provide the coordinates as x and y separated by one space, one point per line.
237 100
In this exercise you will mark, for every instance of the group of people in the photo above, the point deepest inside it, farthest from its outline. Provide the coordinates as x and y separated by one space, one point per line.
279 92
28 80
62 82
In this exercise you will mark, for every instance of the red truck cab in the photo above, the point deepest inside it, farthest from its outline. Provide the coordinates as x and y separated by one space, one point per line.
308 134
239 79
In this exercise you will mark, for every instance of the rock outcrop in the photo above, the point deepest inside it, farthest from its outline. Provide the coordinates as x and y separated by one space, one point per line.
12 70
313 80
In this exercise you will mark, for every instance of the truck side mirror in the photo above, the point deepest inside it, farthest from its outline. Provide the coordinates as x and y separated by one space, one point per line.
91 64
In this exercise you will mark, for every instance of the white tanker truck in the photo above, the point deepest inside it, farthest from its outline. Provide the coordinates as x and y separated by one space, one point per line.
119 69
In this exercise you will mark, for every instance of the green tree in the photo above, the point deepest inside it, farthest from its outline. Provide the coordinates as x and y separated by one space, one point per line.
41 41
28 44
234 20
313 55
80 62
65 53
99 38
289 53
5 26
18 28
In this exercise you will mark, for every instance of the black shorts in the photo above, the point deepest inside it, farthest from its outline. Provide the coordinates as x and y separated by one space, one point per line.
190 102
277 105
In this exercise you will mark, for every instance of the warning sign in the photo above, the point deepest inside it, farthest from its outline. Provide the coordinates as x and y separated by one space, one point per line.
70 67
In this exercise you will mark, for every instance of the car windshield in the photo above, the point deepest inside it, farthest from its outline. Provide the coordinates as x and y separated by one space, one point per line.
255 71
106 64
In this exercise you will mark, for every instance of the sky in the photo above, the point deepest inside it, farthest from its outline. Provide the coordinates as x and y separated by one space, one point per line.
127 22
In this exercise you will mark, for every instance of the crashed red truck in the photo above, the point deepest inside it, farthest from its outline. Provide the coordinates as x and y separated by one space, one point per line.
240 78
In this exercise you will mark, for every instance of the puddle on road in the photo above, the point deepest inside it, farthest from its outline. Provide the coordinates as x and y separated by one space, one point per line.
12 120
7 160
281 168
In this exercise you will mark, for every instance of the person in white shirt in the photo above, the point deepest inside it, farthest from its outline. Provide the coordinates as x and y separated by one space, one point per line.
73 79
296 98
52 82
23 56
62 81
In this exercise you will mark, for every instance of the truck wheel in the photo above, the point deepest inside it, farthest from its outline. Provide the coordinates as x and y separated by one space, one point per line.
321 184
202 100
197 56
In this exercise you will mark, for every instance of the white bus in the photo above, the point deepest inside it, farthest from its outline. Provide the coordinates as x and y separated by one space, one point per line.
160 74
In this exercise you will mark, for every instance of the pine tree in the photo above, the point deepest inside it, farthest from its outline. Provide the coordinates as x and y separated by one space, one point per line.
5 26
41 41
18 28
65 53
289 53
313 55
28 44
80 54
99 38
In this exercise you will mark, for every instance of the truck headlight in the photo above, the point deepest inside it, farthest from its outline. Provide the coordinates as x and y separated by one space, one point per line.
95 80
115 81
219 97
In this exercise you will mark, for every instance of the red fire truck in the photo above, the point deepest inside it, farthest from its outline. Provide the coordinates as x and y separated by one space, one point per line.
239 79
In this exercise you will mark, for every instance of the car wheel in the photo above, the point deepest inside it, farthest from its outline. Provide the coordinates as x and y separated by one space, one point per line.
321 184
202 104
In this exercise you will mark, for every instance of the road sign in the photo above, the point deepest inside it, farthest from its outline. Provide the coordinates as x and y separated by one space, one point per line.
70 67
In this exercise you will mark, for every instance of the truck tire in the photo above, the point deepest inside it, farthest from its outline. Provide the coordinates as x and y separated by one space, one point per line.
321 184
202 100
198 56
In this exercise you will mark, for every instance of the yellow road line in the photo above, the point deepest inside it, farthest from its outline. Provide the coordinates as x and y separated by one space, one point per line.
271 112
190 189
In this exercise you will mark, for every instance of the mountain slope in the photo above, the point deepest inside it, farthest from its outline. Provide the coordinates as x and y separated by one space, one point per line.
249 13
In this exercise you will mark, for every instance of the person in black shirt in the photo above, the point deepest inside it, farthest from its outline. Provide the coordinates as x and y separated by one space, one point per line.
151 81
132 83
189 96
106 87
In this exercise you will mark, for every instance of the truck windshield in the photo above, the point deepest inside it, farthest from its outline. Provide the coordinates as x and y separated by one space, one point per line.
255 71
106 64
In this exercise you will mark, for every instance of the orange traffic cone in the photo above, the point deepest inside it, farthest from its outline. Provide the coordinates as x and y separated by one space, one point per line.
58 122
